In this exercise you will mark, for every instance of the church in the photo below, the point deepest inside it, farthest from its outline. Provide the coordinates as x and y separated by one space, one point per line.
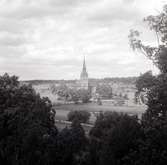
83 83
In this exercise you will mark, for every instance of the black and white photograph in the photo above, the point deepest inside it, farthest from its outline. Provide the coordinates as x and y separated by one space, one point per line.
83 82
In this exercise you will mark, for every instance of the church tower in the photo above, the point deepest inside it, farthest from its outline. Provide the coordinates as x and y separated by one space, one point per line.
84 84
84 74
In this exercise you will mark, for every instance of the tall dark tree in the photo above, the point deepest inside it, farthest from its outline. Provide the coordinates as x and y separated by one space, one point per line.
154 121
25 121
71 144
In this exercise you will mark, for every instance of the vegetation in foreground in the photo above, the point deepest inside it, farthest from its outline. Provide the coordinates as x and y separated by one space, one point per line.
29 135
81 116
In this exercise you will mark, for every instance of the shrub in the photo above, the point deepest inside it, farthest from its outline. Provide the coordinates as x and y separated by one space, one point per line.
81 116
84 95
114 138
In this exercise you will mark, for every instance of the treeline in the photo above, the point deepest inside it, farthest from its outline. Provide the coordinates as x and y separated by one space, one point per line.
28 134
125 80
39 82
68 94
71 94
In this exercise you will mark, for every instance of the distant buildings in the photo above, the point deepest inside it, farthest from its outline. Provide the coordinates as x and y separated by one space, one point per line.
120 88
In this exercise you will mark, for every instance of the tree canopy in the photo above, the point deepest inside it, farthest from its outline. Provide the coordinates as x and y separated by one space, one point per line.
154 120
25 121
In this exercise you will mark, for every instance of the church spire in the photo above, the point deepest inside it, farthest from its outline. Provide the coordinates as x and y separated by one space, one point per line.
84 74
84 64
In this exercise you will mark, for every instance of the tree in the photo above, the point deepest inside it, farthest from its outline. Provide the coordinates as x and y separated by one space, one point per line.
157 54
120 94
99 102
145 82
25 121
105 91
111 142
126 97
154 121
62 90
74 94
81 116
80 144
157 87
64 147
71 144
78 136
84 95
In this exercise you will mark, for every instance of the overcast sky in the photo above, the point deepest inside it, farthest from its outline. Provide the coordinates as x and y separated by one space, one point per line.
47 39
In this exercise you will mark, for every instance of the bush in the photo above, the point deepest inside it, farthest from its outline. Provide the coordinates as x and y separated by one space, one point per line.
81 116
105 91
114 138
71 144
84 95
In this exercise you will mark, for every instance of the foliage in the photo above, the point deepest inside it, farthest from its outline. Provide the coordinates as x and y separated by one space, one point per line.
153 149
107 80
84 95
155 86
62 90
78 135
155 53
29 136
126 97
105 91
25 121
81 116
145 82
111 142
75 96
71 94
71 144
157 102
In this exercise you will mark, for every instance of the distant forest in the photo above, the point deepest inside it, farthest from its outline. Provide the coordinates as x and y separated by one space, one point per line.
125 80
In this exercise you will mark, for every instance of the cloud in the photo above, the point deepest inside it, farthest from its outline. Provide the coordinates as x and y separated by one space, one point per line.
10 53
112 14
12 25
128 1
8 39
26 9
50 37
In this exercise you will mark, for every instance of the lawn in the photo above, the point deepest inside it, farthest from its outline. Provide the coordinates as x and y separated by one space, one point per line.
64 109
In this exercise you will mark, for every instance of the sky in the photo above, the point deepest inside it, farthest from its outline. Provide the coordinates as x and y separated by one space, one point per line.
48 39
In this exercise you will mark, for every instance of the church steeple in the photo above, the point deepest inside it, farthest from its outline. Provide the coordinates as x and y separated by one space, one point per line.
84 74
84 65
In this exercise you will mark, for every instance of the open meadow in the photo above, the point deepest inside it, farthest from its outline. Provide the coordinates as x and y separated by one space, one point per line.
64 109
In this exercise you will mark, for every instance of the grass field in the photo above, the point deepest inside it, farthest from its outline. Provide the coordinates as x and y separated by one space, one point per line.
64 109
